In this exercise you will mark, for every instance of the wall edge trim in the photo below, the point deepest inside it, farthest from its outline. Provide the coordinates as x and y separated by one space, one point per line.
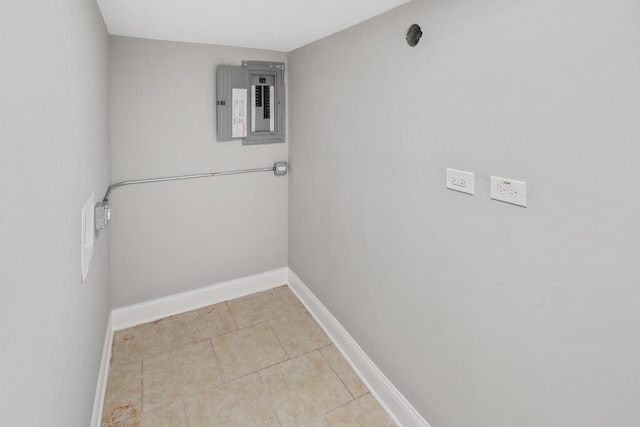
150 311
103 374
393 402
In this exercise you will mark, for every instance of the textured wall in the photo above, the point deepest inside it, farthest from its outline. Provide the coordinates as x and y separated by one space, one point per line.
54 153
481 313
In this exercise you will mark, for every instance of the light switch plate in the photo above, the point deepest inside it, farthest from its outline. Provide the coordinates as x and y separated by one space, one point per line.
87 234
460 181
509 191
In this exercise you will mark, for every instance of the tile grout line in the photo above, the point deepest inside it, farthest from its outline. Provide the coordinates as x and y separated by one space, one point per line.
215 357
235 322
142 385
271 400
290 309
336 372
347 403
184 409
279 341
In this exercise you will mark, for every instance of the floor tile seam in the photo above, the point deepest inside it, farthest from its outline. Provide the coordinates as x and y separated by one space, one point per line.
287 307
323 375
345 404
310 351
173 348
245 327
270 398
142 388
235 322
290 309
288 312
235 379
142 412
215 357
325 418
184 410
288 360
246 297
261 369
296 298
217 360
207 337
227 383
124 419
279 341
338 375
282 299
305 352
173 331
182 397
222 377
351 398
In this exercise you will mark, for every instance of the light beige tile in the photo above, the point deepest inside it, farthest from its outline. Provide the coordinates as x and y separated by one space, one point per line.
299 333
318 422
290 299
147 340
207 322
131 422
363 412
247 350
344 371
183 372
123 397
257 308
171 415
242 403
303 389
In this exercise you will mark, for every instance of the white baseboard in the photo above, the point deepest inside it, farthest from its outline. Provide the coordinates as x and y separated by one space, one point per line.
179 303
101 388
380 387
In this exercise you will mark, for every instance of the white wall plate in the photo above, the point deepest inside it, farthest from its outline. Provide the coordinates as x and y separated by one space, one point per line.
460 181
509 191
87 234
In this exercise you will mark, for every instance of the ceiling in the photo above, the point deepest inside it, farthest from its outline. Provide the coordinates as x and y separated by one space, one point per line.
281 25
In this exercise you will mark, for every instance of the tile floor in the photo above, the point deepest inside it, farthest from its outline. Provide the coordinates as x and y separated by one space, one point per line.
260 360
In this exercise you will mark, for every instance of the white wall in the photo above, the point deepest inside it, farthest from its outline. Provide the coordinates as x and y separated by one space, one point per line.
177 236
54 153
481 313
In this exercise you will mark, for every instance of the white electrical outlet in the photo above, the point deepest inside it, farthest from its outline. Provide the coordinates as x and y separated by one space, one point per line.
509 191
460 181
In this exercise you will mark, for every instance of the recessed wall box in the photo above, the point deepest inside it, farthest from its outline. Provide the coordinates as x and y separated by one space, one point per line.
251 102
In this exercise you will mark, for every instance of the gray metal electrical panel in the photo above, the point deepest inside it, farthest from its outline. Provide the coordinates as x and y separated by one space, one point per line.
251 102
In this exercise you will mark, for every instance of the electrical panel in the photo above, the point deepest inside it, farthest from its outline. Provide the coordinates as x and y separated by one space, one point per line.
251 102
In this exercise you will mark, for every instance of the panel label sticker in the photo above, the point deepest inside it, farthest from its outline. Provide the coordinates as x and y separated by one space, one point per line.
239 123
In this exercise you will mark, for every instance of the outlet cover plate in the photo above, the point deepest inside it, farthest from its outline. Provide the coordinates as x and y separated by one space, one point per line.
509 191
87 234
458 180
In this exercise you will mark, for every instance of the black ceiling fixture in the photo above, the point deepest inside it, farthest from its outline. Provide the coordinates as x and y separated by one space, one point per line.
413 35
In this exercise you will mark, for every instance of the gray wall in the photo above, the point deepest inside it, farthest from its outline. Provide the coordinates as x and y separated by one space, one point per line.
177 236
54 153
481 313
